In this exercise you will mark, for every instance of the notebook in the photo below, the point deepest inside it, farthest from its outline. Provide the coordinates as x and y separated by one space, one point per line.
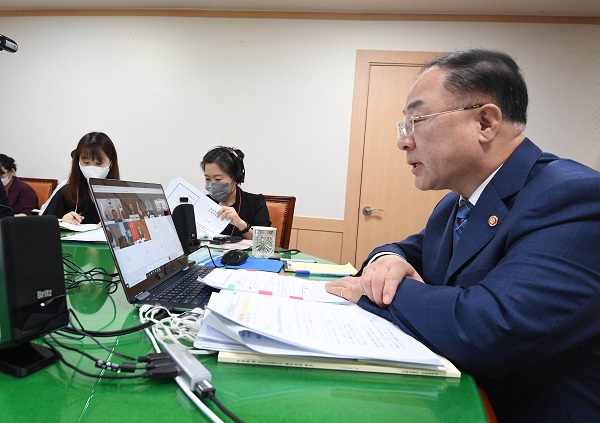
143 240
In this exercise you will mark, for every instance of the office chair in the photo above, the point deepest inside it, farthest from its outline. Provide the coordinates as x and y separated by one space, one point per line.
489 411
281 213
42 187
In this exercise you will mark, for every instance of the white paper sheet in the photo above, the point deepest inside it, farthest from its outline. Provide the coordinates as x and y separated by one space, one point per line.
270 283
79 228
97 235
205 210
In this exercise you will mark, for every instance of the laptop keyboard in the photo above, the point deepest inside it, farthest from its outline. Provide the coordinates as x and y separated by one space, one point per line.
188 290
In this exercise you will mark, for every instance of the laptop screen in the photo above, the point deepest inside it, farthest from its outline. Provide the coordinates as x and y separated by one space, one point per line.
140 230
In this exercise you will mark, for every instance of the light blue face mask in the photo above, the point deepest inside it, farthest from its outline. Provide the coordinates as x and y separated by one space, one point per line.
218 190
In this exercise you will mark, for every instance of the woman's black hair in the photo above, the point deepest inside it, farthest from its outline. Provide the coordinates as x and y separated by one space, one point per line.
8 163
90 146
230 159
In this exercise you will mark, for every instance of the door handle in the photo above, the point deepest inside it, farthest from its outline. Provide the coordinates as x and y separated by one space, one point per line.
367 210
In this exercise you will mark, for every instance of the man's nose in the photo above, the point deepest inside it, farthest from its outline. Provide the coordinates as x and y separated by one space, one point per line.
406 143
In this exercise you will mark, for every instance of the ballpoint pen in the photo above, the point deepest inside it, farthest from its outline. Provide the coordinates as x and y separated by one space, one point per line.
308 273
290 259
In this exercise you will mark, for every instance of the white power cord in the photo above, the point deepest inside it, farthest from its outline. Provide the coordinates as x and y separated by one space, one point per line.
175 327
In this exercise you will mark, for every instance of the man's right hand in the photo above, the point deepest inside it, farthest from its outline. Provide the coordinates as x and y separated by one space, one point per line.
380 279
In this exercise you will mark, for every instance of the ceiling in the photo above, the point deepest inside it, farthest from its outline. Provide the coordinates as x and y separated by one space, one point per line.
586 8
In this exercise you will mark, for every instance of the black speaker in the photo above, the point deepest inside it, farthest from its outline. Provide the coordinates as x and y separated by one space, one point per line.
185 224
32 291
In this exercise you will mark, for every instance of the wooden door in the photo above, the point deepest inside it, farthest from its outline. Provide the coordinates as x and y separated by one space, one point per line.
385 181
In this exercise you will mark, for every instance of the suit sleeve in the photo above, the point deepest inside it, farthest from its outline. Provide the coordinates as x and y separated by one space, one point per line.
411 249
541 298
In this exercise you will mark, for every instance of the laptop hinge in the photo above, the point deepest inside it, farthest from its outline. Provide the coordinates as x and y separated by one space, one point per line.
142 295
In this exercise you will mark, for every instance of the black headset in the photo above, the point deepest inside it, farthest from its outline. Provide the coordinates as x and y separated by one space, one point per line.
240 173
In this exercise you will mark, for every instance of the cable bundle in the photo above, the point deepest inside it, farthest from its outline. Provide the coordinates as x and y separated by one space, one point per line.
75 275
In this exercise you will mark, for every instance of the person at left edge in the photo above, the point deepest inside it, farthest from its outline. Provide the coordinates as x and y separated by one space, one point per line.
21 196
224 172
95 157
5 209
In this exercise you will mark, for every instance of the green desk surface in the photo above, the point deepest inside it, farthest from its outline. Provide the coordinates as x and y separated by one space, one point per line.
254 393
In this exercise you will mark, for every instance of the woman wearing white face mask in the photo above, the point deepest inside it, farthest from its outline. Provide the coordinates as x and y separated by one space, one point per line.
223 172
95 157
21 196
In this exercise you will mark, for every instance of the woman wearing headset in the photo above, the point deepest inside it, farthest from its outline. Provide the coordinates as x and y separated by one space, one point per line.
223 172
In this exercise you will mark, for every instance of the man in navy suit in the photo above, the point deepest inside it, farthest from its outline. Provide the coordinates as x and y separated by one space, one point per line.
516 300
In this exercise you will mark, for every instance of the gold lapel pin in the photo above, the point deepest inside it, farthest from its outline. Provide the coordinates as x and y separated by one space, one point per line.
493 221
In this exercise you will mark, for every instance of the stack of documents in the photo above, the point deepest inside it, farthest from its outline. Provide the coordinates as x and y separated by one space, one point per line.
312 334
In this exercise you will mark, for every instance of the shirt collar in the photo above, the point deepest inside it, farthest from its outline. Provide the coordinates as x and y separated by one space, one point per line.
477 193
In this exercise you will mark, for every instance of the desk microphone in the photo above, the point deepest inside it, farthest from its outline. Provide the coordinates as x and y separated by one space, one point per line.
8 44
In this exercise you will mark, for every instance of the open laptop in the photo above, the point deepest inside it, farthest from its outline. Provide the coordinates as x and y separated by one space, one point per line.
141 234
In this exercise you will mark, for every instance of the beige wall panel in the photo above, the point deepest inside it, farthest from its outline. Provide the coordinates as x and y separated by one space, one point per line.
326 245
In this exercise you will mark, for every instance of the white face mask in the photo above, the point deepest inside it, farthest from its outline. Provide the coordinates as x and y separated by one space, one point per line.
5 181
94 171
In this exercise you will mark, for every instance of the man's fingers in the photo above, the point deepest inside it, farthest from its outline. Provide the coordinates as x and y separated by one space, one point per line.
365 282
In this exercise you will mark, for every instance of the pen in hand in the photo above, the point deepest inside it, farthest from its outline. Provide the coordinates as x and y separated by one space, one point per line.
73 218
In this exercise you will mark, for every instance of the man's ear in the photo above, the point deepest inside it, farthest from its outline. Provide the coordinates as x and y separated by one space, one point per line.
490 120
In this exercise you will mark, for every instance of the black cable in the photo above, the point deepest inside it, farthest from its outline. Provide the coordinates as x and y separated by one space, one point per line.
163 372
211 396
83 372
82 331
210 254
120 332
60 344
75 275
157 367
205 389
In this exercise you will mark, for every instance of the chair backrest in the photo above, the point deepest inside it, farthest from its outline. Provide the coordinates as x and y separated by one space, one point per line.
281 213
43 188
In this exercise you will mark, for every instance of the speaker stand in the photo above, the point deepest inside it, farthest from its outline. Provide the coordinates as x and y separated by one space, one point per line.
26 358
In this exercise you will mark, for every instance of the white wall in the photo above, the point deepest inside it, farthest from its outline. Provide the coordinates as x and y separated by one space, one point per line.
168 89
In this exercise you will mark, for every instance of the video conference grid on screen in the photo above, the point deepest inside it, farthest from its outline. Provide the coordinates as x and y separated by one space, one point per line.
140 229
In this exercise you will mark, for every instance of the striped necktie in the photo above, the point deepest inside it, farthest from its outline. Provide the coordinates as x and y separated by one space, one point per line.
464 209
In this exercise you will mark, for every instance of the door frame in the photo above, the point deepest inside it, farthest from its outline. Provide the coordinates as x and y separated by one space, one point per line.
365 59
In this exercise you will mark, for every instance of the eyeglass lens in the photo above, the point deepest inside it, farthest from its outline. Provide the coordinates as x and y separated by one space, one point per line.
405 126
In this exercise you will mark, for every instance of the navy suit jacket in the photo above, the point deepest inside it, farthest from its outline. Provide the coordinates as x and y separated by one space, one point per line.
518 304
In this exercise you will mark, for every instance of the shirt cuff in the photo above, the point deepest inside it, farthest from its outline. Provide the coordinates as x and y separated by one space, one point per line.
385 253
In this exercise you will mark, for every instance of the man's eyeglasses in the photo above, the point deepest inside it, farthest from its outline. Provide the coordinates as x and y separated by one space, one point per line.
406 126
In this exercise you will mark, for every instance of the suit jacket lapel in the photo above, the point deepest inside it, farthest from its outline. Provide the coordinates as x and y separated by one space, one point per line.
491 209
483 223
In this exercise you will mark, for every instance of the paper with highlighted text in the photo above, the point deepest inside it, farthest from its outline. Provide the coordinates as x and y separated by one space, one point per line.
264 323
269 283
